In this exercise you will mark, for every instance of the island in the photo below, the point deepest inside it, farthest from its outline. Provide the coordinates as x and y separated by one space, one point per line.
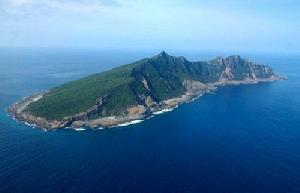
135 91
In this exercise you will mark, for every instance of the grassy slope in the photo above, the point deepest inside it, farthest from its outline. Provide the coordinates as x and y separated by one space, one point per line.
77 96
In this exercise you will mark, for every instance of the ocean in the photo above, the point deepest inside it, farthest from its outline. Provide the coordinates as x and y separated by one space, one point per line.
238 139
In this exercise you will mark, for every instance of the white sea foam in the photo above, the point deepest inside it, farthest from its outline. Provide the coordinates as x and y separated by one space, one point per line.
30 125
194 98
151 116
136 121
163 111
129 123
80 129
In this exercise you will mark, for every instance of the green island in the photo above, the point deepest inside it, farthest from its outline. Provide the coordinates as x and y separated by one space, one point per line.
135 91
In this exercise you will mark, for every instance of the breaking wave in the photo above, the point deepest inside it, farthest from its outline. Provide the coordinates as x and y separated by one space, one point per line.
164 111
80 129
129 123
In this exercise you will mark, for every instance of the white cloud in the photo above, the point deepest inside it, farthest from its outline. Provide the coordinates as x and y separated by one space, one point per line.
19 6
139 22
18 3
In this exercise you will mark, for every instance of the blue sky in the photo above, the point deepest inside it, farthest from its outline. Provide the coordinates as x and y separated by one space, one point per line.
248 25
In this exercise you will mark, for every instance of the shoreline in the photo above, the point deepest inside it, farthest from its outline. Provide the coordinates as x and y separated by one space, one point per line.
16 111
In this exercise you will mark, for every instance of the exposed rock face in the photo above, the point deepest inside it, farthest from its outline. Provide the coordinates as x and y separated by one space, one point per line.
193 86
156 83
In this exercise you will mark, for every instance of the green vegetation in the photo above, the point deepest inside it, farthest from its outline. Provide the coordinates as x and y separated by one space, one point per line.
78 96
125 85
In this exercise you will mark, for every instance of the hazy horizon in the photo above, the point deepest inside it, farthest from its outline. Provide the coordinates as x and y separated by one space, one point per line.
238 26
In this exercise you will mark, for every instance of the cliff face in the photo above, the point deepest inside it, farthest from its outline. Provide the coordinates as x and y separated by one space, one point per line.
136 90
163 75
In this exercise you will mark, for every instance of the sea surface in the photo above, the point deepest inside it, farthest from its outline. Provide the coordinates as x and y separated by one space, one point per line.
243 139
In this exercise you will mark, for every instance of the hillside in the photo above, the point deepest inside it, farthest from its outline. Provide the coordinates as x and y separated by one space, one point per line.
138 89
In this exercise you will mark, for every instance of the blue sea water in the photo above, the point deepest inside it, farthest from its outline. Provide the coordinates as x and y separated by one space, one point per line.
239 139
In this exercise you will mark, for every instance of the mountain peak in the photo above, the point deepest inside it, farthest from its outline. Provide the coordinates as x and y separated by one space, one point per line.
236 57
163 53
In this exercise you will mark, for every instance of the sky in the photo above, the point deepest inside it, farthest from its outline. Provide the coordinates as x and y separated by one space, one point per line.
258 25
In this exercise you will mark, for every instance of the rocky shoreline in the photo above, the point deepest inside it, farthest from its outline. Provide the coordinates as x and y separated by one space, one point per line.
134 114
